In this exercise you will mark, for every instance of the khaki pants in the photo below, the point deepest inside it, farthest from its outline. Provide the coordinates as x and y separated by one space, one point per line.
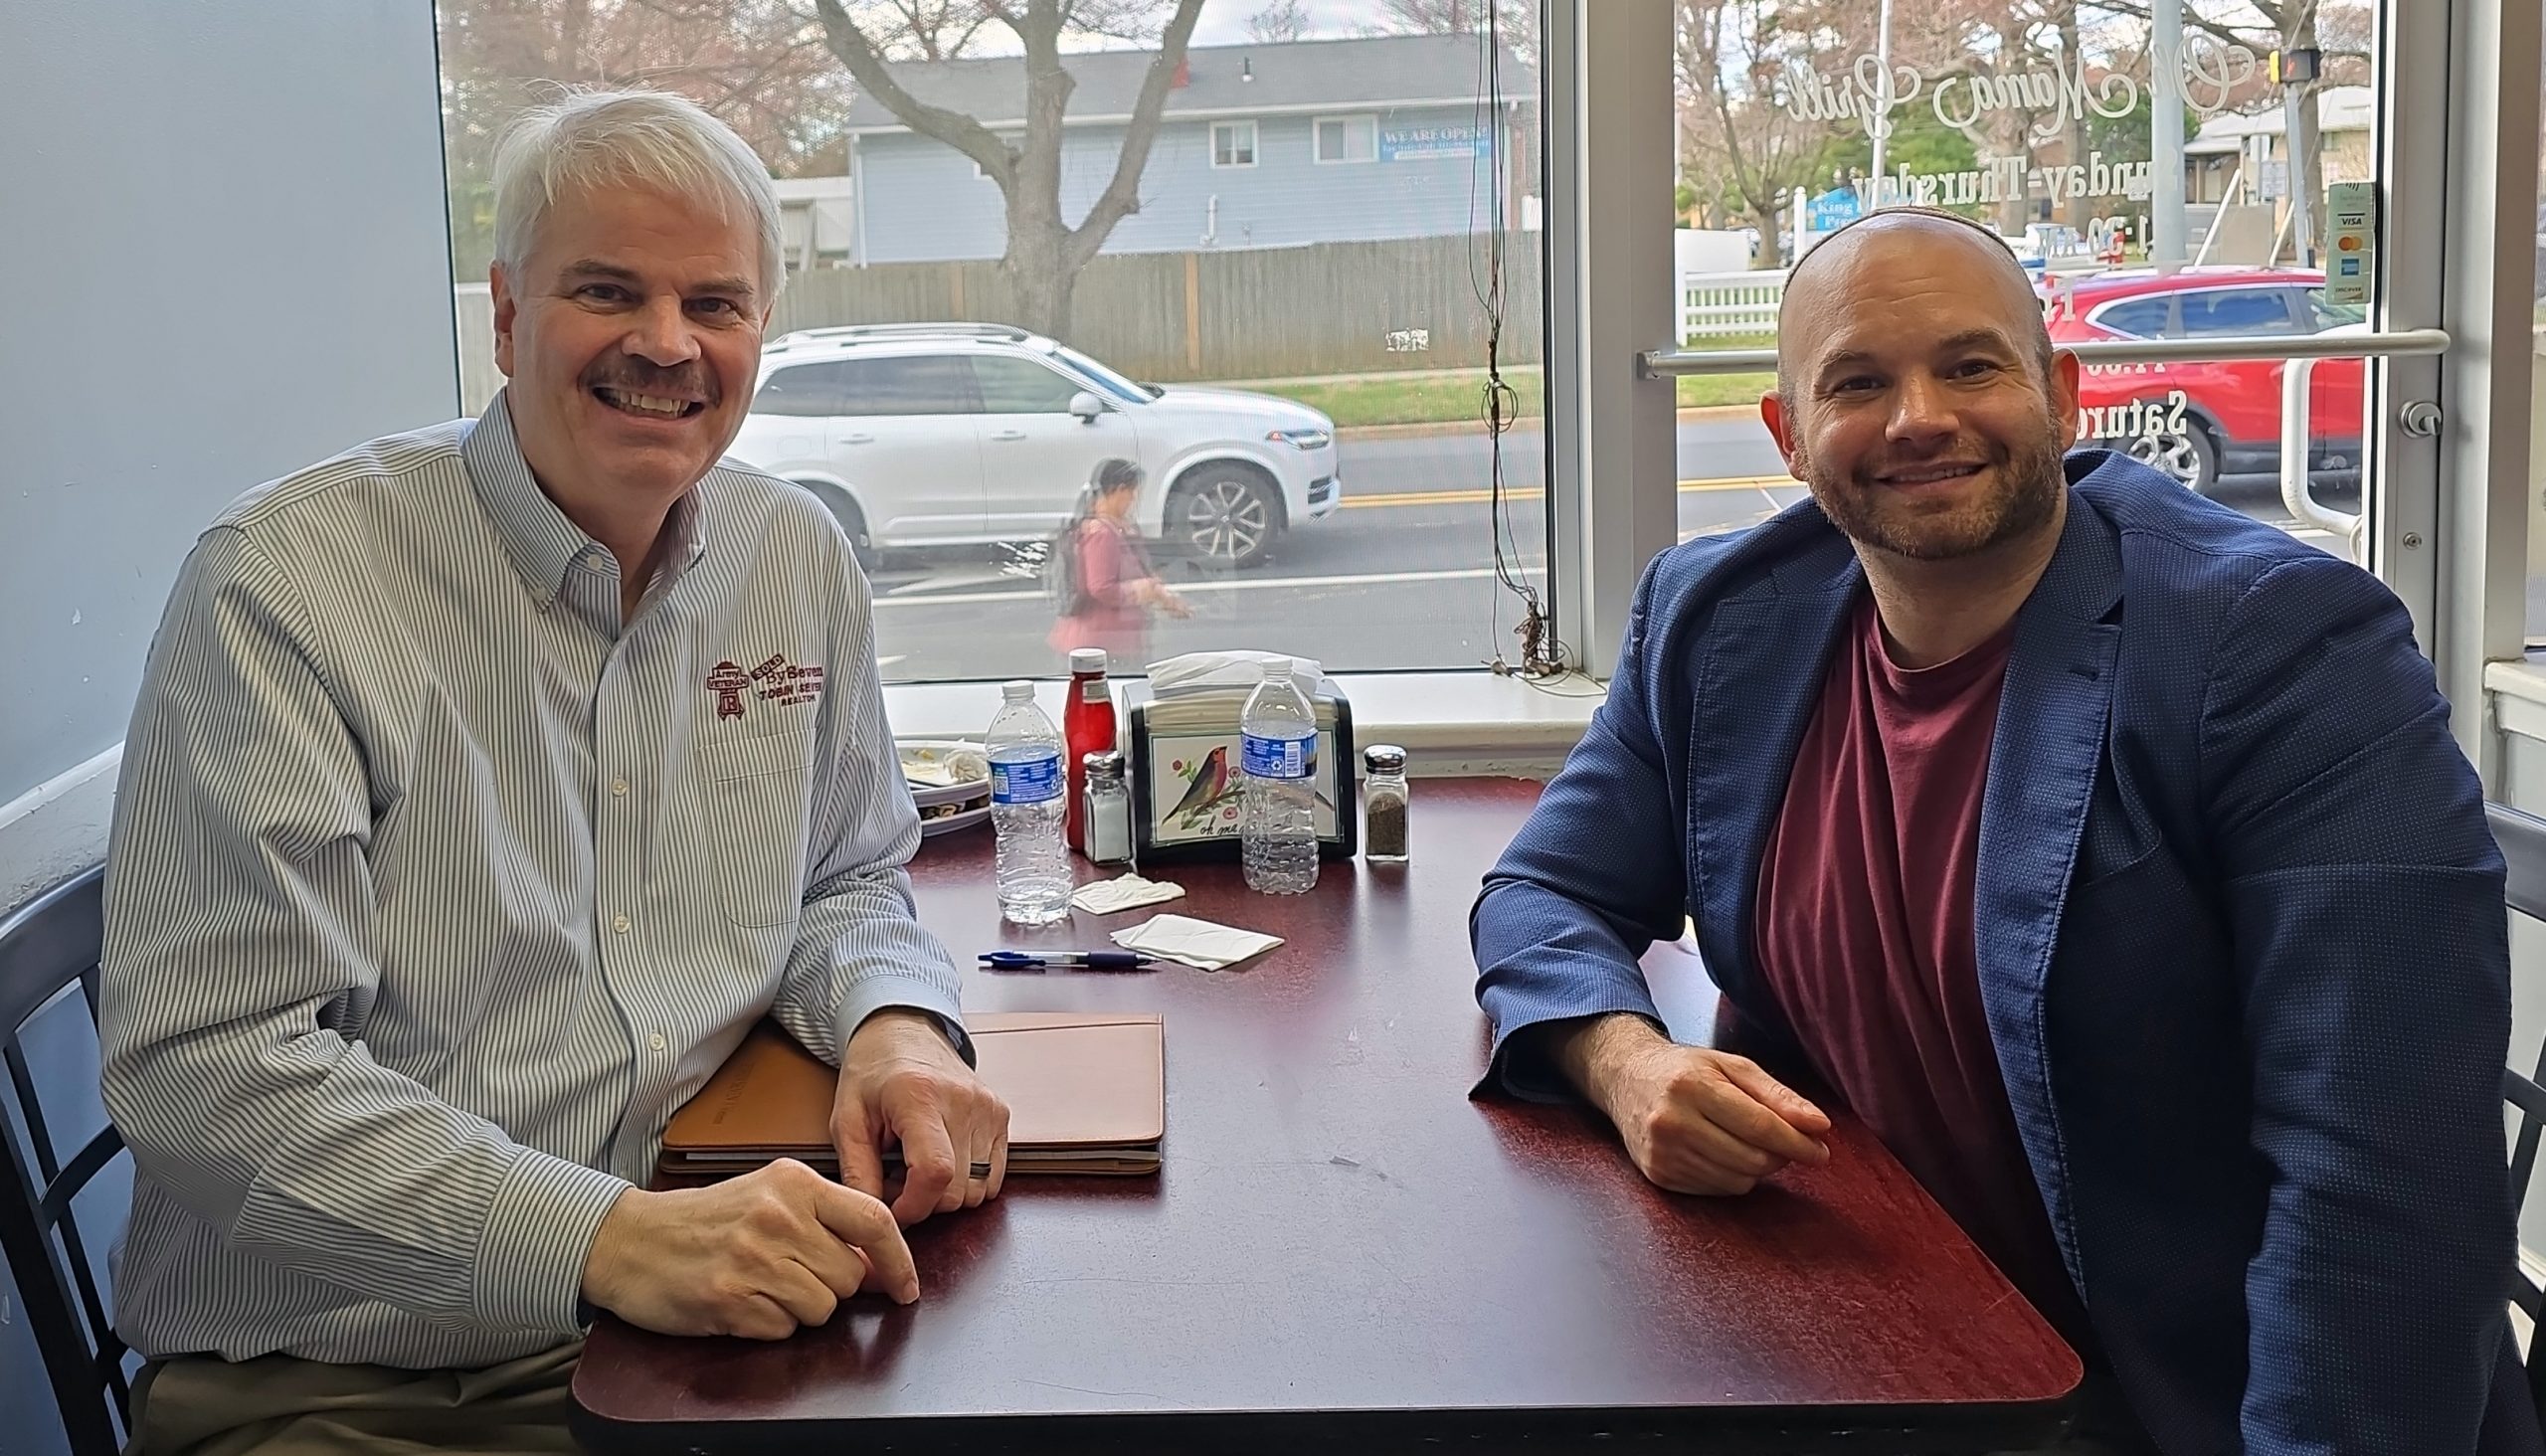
276 1405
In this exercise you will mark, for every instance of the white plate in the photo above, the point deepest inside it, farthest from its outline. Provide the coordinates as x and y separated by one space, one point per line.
930 828
924 763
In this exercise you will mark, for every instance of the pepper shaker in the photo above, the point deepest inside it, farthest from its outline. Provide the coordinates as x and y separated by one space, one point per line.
1383 805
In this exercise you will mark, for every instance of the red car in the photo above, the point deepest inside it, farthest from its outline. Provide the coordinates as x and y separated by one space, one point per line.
2201 421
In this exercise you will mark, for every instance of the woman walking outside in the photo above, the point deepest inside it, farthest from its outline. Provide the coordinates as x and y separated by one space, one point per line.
1106 584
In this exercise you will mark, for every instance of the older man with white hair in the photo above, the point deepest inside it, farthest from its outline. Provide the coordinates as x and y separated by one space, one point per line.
486 785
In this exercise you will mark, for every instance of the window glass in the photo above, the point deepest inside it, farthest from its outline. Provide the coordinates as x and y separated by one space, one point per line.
1233 144
800 389
2321 315
1011 386
2050 125
906 384
2237 312
1297 355
1106 381
1347 139
2147 318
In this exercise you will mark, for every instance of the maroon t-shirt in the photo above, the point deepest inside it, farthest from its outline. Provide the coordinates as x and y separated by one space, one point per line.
1865 937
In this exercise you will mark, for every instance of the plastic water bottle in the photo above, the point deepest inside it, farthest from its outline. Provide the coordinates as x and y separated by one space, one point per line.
1277 837
1027 805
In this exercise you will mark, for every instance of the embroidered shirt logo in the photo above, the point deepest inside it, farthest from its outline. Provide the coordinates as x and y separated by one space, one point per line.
784 683
727 681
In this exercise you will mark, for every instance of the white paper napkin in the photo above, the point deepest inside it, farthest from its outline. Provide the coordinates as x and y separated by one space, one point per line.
1196 942
1107 897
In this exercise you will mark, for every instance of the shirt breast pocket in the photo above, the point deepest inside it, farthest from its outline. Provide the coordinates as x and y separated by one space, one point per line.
757 807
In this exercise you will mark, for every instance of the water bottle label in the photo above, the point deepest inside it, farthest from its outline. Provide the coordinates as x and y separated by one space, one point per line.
1279 758
1026 781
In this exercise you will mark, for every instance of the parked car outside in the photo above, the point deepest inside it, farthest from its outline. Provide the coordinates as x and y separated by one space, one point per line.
2200 422
965 433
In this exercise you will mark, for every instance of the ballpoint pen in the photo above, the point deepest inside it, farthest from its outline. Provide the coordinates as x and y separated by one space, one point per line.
1091 960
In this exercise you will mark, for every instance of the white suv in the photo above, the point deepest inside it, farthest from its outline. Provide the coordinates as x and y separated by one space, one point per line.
953 434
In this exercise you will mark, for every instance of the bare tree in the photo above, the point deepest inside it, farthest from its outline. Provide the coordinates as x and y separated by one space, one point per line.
2340 32
1277 23
1516 22
1739 144
1044 252
925 30
756 64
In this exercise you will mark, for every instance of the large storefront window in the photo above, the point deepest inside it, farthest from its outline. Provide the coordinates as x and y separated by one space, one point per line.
2171 174
1283 257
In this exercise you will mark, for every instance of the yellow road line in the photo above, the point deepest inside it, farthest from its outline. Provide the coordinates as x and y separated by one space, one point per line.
1475 498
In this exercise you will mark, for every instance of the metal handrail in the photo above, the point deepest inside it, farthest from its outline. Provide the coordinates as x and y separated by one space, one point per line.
2340 343
2302 353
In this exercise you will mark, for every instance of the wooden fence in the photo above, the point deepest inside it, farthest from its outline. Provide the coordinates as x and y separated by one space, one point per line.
1233 314
1243 313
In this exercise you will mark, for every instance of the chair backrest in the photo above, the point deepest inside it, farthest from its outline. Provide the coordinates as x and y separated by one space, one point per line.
2522 838
46 949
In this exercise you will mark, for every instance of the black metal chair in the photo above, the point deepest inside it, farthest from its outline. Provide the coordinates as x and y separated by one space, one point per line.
45 949
2522 838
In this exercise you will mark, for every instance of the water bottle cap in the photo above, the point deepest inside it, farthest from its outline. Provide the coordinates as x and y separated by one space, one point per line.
1087 662
1278 670
1017 693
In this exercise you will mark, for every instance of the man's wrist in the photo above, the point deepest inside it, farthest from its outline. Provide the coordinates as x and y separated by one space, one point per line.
1588 1051
905 1021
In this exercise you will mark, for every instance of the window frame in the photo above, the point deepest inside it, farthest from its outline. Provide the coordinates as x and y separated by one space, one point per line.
2278 292
967 399
829 384
2172 328
1254 144
973 363
1316 138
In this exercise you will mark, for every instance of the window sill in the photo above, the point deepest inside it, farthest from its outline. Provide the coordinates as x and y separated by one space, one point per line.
2519 690
1448 723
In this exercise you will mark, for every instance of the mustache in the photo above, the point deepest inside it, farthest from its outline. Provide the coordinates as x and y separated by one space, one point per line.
635 375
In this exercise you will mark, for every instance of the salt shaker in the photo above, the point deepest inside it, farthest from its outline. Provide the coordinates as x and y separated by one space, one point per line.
1107 809
1384 804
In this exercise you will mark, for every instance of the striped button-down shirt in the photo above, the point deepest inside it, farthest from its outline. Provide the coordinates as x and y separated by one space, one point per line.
435 888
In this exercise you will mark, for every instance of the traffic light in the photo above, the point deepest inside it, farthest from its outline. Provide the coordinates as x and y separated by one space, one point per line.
2293 67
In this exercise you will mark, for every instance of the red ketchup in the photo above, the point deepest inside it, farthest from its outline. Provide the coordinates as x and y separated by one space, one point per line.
1087 726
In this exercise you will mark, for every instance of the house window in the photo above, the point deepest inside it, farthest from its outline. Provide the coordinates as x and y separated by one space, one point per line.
1232 143
1347 138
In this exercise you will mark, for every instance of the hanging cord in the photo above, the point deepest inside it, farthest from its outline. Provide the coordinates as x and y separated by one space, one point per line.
1542 656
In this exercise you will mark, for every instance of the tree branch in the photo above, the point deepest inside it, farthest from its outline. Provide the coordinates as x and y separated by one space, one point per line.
1122 195
2214 29
954 128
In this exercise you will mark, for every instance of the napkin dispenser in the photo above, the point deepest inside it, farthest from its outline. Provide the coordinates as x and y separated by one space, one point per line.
1187 786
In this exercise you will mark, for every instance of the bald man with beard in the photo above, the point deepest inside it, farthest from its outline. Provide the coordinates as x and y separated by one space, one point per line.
2106 851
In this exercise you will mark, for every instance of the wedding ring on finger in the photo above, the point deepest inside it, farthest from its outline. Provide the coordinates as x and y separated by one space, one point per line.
981 1171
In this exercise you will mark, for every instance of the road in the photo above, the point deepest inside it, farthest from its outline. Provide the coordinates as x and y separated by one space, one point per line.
1401 576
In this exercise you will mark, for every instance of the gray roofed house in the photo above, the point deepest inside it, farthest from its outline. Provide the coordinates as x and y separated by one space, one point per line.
1259 145
1403 71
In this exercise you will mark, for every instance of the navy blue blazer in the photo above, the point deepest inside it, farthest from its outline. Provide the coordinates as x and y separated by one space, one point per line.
2242 944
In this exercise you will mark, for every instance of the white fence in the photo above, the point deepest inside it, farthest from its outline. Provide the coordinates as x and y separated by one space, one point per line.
474 309
1717 305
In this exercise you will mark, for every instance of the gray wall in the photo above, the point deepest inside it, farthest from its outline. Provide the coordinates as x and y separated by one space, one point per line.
924 201
224 226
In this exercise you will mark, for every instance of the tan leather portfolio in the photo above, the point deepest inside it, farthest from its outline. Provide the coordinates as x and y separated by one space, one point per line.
1086 1092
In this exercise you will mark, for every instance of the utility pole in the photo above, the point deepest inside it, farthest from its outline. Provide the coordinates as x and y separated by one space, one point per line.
2166 132
1882 58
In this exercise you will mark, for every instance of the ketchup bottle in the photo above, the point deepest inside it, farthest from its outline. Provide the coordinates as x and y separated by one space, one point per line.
1087 726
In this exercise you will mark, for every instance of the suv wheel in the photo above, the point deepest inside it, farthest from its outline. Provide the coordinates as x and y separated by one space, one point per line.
2190 458
853 522
1224 516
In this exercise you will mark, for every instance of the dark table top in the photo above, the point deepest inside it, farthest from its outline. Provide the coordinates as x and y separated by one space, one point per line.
1344 1245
